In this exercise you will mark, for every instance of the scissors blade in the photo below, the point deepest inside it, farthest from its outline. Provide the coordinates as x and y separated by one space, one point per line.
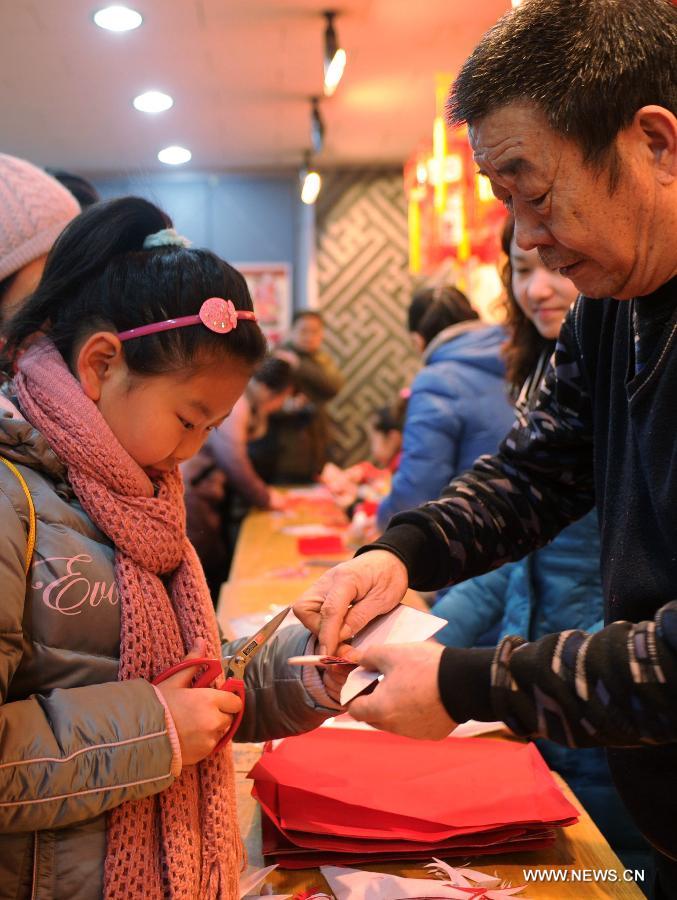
254 644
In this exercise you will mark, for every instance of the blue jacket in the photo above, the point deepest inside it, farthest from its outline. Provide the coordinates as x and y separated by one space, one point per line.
553 589
457 411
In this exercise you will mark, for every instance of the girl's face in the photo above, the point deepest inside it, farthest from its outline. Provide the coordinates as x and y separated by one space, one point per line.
160 420
543 295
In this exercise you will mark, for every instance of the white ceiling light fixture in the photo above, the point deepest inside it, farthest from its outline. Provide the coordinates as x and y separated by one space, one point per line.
118 18
334 56
174 155
310 181
153 102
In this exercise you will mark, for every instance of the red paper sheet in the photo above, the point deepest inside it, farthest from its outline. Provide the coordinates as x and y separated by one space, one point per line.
316 546
288 856
461 783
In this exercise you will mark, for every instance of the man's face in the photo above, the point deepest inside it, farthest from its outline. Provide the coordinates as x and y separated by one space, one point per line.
563 206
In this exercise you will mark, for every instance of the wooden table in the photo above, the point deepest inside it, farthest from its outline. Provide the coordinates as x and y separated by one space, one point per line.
253 587
263 549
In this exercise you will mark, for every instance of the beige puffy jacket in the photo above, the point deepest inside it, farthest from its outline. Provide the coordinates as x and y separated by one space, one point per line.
75 742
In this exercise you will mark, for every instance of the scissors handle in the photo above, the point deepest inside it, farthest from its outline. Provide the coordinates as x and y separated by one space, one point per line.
234 686
212 671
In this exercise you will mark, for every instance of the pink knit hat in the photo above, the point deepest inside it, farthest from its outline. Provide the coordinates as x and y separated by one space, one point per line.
34 209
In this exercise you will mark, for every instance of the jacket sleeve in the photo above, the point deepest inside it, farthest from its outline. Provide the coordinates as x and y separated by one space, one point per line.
68 755
615 687
319 376
471 608
516 501
228 445
277 701
429 454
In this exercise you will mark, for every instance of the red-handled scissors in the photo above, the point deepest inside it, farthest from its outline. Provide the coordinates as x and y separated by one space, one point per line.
232 668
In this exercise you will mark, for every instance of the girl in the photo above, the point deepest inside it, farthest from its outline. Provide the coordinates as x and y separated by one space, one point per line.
131 350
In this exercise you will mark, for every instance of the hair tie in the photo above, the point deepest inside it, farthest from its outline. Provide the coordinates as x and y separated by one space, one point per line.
167 237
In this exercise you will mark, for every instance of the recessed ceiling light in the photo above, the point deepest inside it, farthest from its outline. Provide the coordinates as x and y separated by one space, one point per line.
174 156
118 18
153 102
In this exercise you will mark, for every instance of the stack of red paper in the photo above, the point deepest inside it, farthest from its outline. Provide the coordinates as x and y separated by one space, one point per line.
350 797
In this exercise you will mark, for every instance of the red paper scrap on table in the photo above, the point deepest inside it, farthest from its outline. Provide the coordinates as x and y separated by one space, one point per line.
325 543
356 797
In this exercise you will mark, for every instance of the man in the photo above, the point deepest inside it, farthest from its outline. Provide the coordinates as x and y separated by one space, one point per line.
571 107
303 429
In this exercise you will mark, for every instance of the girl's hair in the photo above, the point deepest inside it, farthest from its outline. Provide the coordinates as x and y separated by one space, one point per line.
275 374
525 344
434 309
99 277
390 418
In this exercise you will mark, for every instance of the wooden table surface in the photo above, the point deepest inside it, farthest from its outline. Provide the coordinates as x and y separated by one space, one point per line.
269 571
263 552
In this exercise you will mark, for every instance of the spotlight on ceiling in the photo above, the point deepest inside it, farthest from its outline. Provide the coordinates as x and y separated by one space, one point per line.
174 156
310 181
153 102
334 56
316 125
117 18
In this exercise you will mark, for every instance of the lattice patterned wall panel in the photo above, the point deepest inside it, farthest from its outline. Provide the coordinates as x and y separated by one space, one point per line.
364 292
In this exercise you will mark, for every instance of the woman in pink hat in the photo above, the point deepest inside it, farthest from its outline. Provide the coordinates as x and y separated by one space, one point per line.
34 209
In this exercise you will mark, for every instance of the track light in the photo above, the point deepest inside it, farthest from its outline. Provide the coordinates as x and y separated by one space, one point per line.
310 181
334 56
316 125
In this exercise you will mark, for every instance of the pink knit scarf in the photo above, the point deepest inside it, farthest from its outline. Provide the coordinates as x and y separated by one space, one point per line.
183 842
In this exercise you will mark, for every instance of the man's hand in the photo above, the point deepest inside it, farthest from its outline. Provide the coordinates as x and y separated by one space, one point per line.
407 700
346 598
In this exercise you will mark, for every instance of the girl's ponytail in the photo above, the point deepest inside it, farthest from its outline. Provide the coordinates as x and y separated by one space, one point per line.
98 275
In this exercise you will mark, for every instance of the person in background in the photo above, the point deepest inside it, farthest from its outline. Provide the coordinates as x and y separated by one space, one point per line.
34 209
233 445
303 429
82 189
385 435
571 107
558 586
109 785
458 408
360 487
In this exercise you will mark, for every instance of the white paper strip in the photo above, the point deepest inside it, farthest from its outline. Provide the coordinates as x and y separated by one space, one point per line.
403 625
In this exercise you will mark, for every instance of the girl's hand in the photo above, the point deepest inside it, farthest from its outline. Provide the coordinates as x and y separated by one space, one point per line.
201 715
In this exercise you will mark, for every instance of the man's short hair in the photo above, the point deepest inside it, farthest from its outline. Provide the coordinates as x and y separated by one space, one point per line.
307 314
589 65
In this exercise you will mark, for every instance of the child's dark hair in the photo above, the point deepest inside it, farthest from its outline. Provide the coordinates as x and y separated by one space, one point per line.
390 418
99 277
434 309
275 374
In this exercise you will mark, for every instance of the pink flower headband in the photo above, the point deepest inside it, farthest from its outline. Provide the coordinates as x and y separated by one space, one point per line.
217 314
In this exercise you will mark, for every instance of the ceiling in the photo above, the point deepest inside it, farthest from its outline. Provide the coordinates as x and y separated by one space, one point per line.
241 73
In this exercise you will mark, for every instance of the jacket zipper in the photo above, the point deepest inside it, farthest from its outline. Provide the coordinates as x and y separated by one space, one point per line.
34 889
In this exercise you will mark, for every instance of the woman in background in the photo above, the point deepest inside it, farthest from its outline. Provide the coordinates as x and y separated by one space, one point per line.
458 407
